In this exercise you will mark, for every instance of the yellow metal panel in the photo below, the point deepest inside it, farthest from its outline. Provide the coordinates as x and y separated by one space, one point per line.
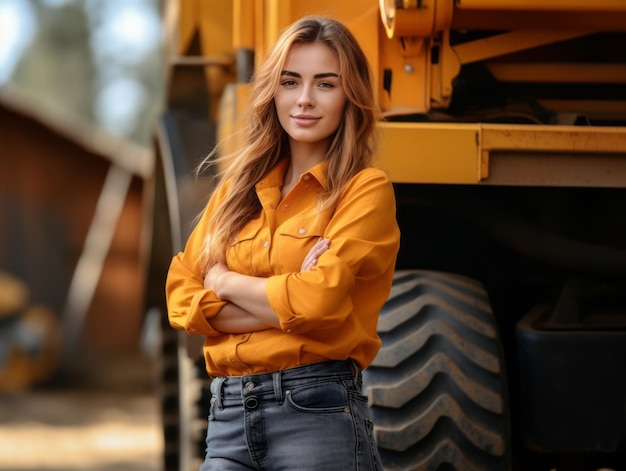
185 14
243 24
577 139
443 73
424 18
507 43
277 17
259 36
430 153
564 5
216 36
462 153
347 12
411 76
216 23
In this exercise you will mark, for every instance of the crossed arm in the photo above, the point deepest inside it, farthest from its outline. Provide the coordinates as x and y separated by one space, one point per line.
248 309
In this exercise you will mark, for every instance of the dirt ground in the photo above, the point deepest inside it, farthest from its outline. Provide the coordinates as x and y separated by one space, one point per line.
90 427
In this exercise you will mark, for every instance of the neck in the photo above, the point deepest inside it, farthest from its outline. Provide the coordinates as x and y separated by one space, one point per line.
303 156
306 155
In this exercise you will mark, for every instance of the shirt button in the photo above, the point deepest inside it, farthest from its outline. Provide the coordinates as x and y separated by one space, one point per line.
193 330
266 244
306 177
302 230
287 205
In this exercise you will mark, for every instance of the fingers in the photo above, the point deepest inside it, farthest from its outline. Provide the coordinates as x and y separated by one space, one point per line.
212 275
318 249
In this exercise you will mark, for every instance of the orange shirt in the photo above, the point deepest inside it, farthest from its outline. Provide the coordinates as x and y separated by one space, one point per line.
327 313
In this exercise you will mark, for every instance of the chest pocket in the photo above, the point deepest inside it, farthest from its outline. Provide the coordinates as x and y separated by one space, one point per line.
295 237
246 252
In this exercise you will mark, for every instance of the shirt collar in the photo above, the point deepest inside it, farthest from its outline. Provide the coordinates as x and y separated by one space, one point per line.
276 176
319 173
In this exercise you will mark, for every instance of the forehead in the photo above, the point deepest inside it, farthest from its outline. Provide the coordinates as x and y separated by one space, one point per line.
311 58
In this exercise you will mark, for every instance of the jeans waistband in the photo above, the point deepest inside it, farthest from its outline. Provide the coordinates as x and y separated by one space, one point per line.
255 385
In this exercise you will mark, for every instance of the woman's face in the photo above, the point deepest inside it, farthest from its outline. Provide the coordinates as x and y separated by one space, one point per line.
310 99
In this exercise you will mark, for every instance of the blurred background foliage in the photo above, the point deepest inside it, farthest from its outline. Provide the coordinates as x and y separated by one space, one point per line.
100 60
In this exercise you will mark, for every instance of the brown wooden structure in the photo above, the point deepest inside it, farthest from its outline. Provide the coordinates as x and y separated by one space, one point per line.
72 222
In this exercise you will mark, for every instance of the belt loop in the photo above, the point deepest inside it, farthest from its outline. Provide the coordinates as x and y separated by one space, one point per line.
358 379
218 391
278 387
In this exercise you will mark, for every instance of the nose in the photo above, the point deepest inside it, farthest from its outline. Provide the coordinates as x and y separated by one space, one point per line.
305 100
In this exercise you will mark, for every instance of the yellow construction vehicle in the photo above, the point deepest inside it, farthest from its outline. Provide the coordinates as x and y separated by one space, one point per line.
504 132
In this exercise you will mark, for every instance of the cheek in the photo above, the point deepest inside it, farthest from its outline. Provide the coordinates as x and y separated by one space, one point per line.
338 114
281 111
278 104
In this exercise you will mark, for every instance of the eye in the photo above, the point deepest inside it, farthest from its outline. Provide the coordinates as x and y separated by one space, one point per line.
288 83
326 85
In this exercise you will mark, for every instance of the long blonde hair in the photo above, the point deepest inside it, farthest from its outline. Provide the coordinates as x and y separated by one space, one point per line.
266 143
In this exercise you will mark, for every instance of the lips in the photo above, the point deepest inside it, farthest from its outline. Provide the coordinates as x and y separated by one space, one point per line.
305 119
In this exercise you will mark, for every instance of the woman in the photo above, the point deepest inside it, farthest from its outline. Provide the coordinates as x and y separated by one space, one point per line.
290 264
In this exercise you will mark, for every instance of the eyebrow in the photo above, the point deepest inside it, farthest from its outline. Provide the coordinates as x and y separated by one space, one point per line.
317 76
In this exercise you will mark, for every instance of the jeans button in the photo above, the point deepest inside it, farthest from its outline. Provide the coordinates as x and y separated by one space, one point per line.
251 402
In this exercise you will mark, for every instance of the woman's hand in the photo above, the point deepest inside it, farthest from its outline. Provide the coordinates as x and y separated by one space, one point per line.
211 279
248 293
231 318
311 258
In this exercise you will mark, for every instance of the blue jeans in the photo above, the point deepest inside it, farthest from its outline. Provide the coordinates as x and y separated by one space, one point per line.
312 417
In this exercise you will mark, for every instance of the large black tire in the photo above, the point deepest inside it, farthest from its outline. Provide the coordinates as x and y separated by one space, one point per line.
437 388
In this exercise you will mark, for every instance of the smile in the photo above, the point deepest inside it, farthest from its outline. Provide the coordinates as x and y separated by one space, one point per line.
305 120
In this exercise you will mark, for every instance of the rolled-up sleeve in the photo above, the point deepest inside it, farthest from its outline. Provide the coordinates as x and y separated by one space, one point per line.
189 304
357 268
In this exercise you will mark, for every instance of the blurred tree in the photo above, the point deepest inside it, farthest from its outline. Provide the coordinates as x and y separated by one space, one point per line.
95 59
56 68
